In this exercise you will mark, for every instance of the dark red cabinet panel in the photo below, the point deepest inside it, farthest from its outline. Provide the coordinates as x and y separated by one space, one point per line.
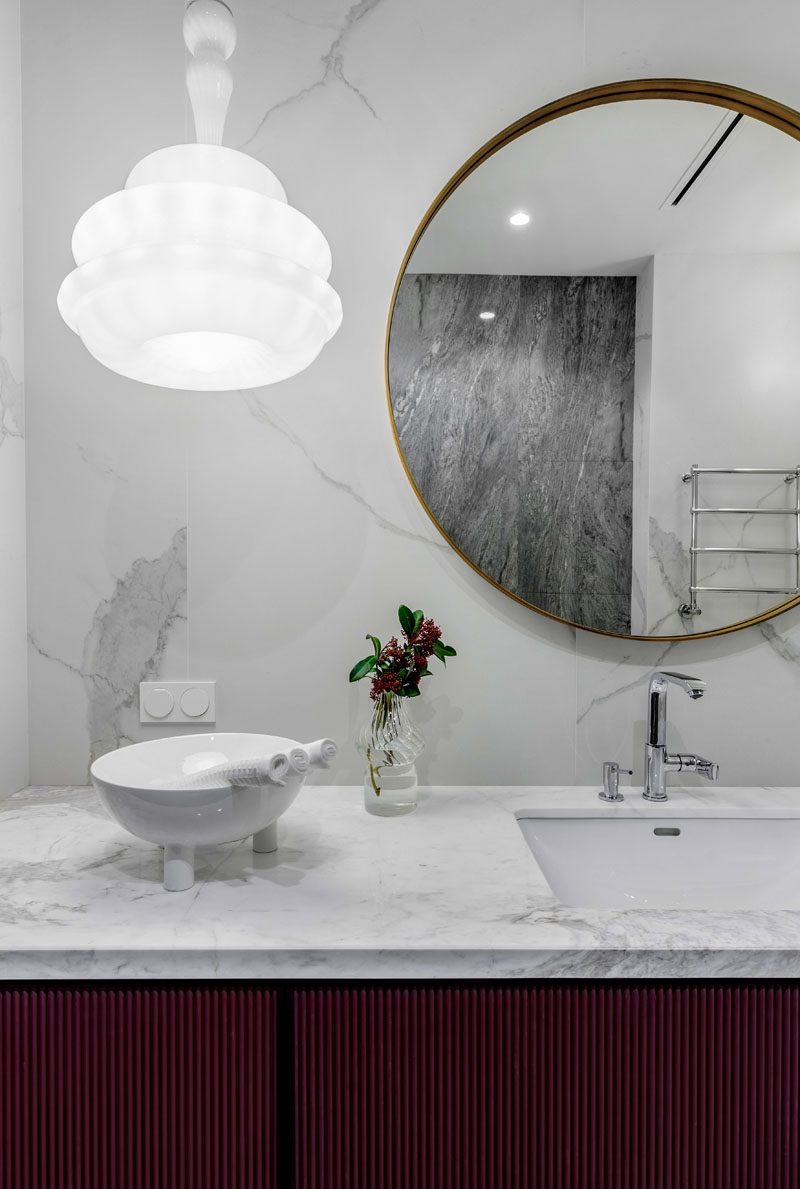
131 1088
553 1087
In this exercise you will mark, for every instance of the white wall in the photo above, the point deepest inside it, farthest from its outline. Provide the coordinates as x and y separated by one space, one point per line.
303 532
13 645
725 387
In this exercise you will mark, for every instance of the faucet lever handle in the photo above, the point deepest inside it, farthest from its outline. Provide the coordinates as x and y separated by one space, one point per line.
611 774
692 763
707 768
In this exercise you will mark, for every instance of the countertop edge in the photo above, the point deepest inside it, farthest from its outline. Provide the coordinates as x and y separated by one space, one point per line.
399 965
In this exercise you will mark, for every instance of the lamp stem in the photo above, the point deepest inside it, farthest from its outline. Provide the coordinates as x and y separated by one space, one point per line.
210 35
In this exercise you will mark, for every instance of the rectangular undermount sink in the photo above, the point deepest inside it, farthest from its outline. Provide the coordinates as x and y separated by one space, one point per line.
721 849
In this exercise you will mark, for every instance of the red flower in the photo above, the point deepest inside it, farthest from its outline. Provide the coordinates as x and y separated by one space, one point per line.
427 636
391 651
384 683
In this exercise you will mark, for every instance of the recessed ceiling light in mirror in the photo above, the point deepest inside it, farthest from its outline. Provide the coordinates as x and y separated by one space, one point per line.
519 219
487 315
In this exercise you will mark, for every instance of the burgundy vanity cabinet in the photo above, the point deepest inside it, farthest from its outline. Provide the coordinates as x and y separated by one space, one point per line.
151 1088
375 1086
548 1087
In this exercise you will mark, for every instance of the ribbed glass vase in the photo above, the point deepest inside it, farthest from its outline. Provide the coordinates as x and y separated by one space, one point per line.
390 744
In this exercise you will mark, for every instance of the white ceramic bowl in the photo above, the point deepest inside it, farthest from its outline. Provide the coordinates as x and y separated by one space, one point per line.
134 785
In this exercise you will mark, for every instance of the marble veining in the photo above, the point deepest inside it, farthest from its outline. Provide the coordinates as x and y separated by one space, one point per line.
126 643
12 405
128 637
331 66
670 568
518 430
257 408
638 680
450 891
784 646
101 465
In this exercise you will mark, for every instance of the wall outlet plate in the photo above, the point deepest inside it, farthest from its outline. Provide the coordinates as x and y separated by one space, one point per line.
168 702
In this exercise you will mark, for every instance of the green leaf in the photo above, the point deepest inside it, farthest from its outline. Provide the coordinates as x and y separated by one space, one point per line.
362 668
447 650
418 618
376 644
411 692
439 652
406 617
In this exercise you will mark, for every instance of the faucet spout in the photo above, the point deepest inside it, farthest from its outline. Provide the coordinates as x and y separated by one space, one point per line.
695 687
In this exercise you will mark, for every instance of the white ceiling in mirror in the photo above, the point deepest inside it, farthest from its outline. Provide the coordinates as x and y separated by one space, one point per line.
599 185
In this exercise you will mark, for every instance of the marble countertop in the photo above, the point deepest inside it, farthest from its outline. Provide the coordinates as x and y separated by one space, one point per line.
450 891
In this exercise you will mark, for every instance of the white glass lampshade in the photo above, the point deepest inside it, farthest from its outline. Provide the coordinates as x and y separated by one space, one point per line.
199 275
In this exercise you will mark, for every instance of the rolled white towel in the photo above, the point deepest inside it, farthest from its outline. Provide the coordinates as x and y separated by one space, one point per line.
321 753
260 770
298 759
271 770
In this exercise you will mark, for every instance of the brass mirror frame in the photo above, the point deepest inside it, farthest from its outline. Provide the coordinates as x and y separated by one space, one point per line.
749 103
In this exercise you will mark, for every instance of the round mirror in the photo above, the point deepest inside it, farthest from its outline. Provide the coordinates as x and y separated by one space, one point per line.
593 360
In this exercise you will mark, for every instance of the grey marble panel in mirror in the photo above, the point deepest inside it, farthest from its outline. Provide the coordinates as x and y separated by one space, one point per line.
554 381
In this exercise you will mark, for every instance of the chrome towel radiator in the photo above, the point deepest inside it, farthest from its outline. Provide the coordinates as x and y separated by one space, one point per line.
790 475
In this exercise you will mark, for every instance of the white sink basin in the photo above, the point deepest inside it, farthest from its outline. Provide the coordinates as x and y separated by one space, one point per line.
137 786
716 848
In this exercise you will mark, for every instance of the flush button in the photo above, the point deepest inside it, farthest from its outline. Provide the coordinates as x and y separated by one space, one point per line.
162 703
195 702
159 702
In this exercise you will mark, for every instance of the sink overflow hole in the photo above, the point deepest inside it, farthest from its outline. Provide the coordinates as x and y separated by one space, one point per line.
666 831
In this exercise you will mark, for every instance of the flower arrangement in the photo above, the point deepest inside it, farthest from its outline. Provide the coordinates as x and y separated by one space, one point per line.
390 742
399 666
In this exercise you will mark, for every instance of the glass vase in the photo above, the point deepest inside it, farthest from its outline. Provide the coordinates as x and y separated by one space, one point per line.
390 744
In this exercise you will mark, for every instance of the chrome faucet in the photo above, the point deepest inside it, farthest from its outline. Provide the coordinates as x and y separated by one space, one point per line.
657 760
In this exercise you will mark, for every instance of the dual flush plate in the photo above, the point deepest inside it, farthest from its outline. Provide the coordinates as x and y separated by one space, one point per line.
169 702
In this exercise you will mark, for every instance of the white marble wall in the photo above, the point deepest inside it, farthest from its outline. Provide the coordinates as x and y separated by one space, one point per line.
13 649
303 532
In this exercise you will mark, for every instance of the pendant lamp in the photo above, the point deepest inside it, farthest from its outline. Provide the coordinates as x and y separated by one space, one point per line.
199 275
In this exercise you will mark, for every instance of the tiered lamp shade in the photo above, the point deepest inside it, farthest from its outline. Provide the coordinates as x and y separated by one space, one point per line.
199 275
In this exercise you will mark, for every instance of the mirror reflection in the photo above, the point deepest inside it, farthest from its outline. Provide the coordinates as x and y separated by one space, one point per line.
593 367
